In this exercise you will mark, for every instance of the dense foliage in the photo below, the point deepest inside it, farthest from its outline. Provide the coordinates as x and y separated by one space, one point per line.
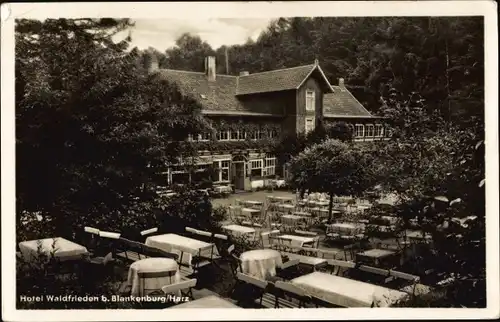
332 167
92 127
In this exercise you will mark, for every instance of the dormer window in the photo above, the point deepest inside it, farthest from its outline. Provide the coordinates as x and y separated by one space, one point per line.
310 100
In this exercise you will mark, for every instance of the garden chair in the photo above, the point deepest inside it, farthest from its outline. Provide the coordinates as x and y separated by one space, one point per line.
375 275
340 267
282 290
406 278
143 290
252 290
149 231
185 288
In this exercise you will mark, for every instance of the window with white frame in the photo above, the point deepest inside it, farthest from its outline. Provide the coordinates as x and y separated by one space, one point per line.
205 136
223 135
269 166
272 134
256 168
234 135
379 130
310 100
370 130
360 130
309 125
221 169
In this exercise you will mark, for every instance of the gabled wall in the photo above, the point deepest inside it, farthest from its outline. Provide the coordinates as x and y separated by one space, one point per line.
311 83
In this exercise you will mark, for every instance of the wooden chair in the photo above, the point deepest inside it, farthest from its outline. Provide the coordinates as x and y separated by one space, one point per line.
128 249
256 291
340 267
236 265
412 279
145 275
282 289
375 275
149 231
181 287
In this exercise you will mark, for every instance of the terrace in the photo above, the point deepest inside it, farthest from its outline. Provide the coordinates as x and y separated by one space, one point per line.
272 251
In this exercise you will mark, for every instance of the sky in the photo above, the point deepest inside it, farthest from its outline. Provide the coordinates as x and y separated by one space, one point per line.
162 33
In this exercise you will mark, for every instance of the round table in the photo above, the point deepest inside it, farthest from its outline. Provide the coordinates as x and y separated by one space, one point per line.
260 263
152 265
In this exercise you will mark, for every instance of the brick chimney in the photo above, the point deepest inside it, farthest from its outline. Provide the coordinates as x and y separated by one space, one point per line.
210 68
244 73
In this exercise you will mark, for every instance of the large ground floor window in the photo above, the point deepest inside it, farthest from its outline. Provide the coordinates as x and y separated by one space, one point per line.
264 167
221 170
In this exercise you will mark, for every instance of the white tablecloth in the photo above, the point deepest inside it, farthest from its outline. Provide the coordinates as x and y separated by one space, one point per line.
208 302
176 244
375 255
152 265
261 263
239 230
298 241
345 228
64 249
291 219
251 211
347 292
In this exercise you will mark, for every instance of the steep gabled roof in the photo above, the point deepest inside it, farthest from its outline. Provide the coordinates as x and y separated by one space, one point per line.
277 80
217 95
342 103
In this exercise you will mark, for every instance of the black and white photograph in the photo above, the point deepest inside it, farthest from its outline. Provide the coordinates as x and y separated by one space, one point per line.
285 159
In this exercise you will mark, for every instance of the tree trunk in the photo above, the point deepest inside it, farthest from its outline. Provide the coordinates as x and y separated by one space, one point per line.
330 208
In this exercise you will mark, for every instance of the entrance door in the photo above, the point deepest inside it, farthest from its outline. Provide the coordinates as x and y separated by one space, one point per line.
239 175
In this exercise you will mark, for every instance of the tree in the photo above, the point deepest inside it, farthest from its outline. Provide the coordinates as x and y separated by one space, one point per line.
92 127
332 167
188 54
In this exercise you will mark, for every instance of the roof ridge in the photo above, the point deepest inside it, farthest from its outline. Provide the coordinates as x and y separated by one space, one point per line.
277 70
191 72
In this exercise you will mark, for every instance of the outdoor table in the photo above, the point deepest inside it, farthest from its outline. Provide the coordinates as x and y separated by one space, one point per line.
322 203
346 292
374 255
252 203
292 220
297 241
251 211
391 219
64 250
346 228
284 199
152 265
179 244
261 263
208 302
302 214
286 208
239 230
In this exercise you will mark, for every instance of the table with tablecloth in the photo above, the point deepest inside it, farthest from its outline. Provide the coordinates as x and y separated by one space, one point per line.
375 256
285 208
238 230
296 241
62 249
185 247
346 292
261 263
152 265
345 229
207 302
292 220
251 211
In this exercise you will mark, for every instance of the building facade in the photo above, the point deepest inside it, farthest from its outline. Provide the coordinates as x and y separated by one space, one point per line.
250 109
